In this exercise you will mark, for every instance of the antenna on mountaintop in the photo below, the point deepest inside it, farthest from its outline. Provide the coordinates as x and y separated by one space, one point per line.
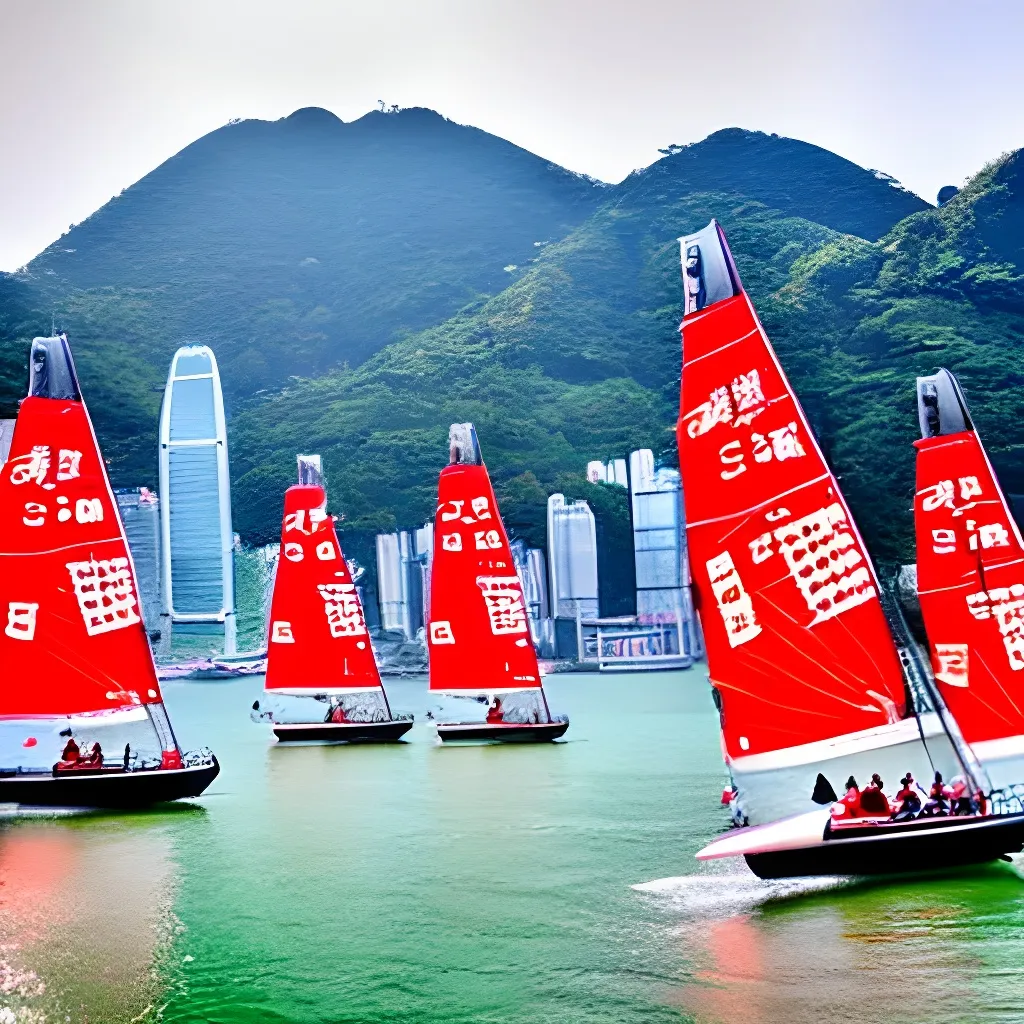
382 105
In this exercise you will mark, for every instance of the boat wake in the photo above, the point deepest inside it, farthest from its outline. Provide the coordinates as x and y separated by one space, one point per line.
724 892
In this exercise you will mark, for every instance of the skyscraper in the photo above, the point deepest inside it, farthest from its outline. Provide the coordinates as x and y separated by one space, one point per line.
197 551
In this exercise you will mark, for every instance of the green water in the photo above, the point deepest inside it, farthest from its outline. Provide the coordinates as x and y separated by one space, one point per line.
484 884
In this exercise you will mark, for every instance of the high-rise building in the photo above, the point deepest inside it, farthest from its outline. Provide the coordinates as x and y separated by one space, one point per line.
6 436
196 539
402 567
140 515
572 558
659 541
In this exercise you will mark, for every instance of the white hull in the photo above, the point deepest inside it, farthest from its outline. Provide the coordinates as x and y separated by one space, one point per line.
779 784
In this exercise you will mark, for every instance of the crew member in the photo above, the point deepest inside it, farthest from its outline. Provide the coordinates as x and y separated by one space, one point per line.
908 803
937 798
495 713
872 800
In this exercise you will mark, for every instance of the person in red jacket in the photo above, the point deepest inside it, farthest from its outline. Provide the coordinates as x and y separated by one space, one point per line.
848 805
495 713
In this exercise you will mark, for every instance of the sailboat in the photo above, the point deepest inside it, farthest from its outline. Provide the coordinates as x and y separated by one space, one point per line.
807 677
322 681
78 674
970 578
478 631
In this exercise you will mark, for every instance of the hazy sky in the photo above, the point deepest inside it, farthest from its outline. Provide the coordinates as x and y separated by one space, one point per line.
95 93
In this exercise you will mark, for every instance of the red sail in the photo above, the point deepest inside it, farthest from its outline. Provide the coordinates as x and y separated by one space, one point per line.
478 630
798 646
970 573
318 638
71 634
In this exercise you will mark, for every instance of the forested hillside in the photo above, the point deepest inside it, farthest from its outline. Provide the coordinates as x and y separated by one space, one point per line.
367 284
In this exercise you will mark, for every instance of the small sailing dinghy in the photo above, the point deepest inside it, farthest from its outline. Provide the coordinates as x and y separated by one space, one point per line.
478 633
78 682
322 680
805 670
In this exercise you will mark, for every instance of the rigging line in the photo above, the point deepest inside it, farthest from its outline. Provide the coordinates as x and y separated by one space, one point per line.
761 504
811 635
995 679
53 551
721 348
856 639
775 703
88 664
802 682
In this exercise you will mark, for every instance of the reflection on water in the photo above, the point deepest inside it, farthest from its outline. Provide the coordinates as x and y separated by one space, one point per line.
426 884
945 948
85 920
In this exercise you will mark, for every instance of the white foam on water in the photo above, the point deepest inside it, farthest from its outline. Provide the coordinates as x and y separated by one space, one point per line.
722 893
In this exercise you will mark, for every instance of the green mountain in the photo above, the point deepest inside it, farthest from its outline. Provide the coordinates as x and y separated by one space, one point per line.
858 321
367 284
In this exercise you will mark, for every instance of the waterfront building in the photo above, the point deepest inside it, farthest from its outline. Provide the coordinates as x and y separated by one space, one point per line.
402 570
572 558
6 436
196 539
659 542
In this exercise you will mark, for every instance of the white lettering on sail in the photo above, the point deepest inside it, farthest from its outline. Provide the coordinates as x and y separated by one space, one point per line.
89 510
969 487
293 552
447 517
823 559
68 462
344 617
936 496
487 539
63 514
35 514
451 542
441 632
748 396
993 535
480 508
325 551
281 632
731 454
943 541
734 602
717 409
1006 606
21 620
951 662
33 466
106 597
506 610
785 443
